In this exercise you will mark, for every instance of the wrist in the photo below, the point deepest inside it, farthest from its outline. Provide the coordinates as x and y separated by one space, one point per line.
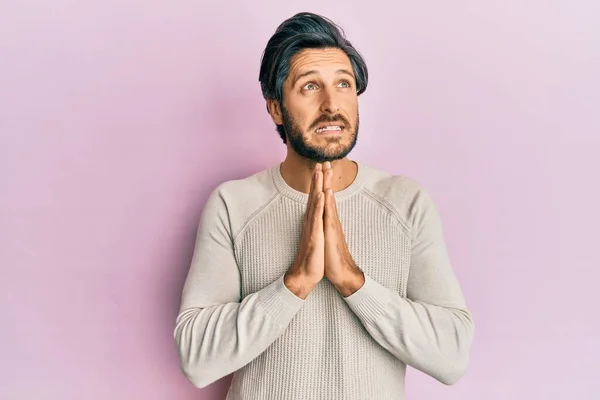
350 283
300 285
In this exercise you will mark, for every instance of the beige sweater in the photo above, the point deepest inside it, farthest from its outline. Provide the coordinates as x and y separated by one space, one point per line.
237 315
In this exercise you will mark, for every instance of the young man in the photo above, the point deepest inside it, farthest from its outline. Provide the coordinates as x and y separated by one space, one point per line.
321 277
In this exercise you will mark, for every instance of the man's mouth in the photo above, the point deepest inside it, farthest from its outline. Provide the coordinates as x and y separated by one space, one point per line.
329 128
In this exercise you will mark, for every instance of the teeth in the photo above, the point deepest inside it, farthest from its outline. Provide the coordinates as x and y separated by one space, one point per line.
330 128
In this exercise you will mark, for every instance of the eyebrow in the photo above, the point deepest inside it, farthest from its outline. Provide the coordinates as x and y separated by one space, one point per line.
341 71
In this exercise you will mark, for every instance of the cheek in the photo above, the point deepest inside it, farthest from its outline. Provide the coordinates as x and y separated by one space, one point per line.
298 114
351 107
304 121
354 106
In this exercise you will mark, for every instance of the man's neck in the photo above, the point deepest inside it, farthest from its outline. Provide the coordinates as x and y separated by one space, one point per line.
297 172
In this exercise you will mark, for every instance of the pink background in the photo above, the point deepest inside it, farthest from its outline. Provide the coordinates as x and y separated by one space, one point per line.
117 119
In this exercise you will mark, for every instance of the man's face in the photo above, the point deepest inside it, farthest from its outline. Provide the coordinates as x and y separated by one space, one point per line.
320 105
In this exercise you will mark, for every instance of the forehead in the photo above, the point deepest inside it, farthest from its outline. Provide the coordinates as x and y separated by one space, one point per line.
319 60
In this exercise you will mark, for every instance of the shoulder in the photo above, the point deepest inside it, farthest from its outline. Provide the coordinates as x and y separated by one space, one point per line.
240 199
403 196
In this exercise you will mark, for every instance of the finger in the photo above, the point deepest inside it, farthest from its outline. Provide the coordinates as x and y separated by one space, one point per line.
326 212
317 220
327 171
330 208
313 181
313 177
318 183
320 168
314 209
318 186
310 195
333 204
318 190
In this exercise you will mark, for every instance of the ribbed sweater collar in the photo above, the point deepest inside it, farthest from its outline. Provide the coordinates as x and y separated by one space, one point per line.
287 191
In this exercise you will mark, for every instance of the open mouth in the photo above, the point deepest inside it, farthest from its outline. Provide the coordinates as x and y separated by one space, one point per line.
328 128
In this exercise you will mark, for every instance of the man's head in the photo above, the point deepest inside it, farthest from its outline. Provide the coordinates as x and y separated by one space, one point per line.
311 77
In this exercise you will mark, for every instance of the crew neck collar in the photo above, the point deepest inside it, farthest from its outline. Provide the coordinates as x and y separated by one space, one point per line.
287 191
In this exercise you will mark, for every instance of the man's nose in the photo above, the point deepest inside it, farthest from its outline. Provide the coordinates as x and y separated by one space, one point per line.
329 102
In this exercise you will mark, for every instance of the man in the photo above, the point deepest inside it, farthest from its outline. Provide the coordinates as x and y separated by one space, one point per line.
321 277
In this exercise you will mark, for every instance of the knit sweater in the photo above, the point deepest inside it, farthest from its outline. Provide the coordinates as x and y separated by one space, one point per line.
237 315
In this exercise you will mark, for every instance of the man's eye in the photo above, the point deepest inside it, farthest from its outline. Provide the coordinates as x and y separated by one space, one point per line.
310 86
345 84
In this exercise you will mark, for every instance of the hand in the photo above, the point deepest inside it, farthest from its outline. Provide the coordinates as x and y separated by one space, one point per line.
309 265
340 268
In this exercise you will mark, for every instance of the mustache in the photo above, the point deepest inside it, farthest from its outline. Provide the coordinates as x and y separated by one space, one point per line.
330 118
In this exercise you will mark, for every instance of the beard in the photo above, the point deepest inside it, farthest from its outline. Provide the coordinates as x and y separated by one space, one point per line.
333 149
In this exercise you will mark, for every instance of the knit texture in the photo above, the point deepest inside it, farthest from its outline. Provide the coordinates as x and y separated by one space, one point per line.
237 316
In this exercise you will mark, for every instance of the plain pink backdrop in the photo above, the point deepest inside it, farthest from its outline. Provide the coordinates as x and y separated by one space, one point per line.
117 119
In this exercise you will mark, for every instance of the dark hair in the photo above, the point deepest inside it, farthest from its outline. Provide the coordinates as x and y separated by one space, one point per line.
303 31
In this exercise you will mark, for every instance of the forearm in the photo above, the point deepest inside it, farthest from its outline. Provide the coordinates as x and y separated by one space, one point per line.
217 340
434 339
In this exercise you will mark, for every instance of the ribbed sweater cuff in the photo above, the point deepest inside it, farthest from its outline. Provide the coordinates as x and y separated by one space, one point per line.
370 301
279 302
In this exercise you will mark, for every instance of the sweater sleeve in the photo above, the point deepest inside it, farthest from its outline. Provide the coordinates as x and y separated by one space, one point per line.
431 329
217 332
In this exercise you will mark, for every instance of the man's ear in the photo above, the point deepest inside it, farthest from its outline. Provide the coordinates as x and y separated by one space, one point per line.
274 108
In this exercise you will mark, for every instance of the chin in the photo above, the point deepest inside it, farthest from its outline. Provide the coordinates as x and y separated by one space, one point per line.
321 156
323 148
